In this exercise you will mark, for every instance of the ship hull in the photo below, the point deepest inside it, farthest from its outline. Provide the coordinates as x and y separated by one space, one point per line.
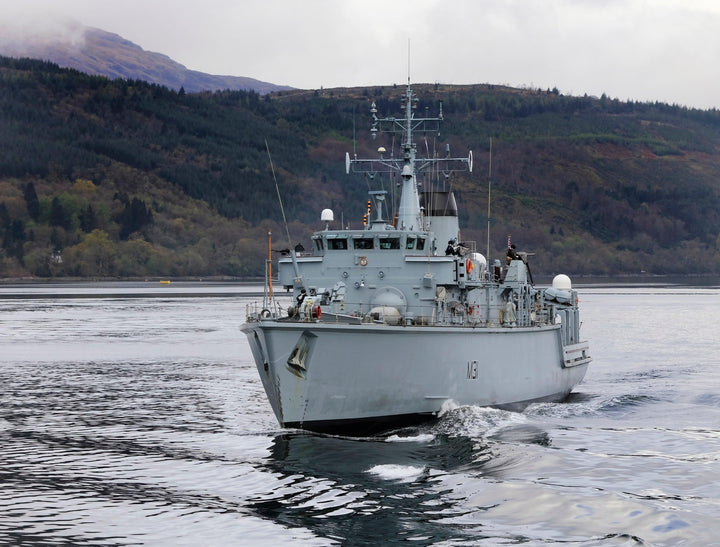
342 378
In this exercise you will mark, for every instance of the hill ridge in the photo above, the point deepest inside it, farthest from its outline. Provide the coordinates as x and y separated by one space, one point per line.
102 53
126 178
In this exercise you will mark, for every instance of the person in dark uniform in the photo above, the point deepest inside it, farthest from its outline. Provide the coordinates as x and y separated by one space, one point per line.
512 254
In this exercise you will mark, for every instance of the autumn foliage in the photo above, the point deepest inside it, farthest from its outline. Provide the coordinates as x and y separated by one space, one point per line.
122 178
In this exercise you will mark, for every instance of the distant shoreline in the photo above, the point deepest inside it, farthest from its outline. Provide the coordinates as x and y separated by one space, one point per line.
705 280
154 279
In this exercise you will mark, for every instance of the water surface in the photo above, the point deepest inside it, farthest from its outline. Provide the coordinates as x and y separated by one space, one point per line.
133 415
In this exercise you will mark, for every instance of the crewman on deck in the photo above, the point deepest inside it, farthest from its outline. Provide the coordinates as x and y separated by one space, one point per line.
512 254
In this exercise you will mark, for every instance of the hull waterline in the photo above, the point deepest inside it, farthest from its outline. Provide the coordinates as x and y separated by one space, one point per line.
373 377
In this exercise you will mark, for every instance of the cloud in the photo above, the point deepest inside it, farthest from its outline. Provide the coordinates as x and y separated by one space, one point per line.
630 49
27 27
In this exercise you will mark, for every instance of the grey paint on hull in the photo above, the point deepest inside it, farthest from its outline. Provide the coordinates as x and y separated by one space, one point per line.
357 372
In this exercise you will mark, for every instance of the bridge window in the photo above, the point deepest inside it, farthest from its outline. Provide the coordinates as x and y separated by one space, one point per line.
337 244
420 244
364 243
390 243
410 243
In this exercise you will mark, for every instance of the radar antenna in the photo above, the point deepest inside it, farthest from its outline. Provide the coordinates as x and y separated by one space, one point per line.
408 165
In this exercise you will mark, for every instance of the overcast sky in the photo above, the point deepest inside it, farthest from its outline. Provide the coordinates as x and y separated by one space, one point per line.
666 50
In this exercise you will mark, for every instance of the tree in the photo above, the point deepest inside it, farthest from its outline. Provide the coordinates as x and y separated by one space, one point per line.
134 216
14 238
133 257
32 201
88 220
58 216
94 256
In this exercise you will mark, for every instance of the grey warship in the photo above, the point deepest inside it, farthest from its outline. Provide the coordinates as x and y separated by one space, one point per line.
392 323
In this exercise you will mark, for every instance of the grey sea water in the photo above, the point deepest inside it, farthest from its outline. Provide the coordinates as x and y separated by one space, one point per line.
132 414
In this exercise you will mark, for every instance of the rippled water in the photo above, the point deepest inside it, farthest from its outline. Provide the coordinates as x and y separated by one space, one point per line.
132 415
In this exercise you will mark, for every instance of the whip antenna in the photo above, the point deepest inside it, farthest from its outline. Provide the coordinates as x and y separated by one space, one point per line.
408 61
354 141
293 255
277 189
488 214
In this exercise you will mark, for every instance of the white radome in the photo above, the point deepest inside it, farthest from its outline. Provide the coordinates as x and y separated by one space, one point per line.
562 282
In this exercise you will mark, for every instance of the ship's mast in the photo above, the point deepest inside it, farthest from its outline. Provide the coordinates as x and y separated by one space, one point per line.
409 214
409 209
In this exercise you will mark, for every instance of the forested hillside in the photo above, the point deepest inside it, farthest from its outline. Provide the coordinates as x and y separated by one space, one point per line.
125 178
